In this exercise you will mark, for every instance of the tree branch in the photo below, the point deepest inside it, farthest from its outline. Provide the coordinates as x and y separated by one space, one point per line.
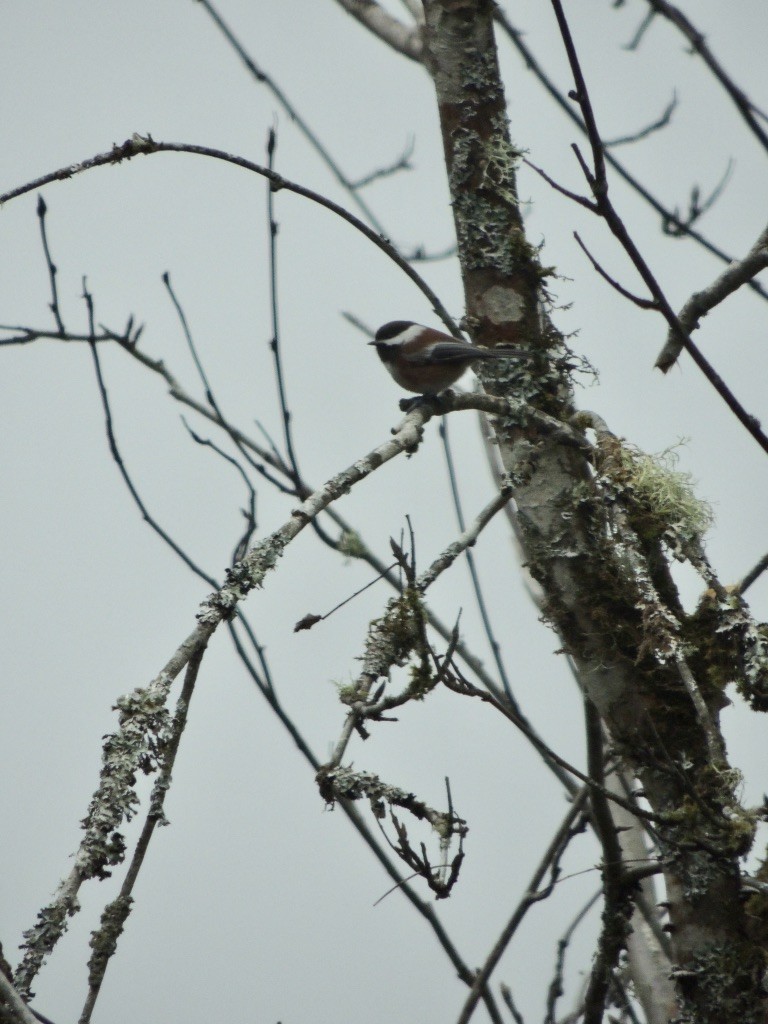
402 38
739 273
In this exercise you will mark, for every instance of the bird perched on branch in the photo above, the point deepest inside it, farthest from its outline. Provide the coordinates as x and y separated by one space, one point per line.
426 361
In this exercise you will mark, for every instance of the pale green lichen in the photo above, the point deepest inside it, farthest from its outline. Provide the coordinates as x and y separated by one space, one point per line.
661 495
350 544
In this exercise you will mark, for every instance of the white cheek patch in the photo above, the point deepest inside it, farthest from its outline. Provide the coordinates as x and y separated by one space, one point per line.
409 334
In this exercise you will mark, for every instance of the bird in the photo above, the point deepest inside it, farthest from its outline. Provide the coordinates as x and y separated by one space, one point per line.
426 361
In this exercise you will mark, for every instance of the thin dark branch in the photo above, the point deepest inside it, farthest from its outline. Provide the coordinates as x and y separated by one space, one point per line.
250 514
668 217
650 129
506 995
461 686
555 989
402 163
304 624
573 196
698 207
642 28
596 176
572 824
312 138
351 187
219 418
636 299
616 906
127 479
191 344
698 42
274 313
42 209
754 574
27 335
145 146
482 607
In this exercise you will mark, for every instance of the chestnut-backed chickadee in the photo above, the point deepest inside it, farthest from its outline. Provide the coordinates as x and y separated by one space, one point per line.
426 361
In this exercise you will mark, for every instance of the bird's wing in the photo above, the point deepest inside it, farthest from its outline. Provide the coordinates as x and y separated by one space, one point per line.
443 352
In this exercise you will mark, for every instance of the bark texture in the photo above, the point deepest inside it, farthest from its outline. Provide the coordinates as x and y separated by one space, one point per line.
599 555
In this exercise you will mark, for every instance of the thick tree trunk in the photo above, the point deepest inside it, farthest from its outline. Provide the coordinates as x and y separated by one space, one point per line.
608 591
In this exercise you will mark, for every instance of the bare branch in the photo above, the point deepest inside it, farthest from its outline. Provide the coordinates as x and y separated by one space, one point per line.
636 299
698 42
696 206
406 40
42 209
474 576
573 196
459 685
145 145
700 303
550 863
754 574
515 36
599 184
650 129
311 136
403 163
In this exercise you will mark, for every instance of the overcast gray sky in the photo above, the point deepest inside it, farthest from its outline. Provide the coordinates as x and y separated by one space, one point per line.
256 904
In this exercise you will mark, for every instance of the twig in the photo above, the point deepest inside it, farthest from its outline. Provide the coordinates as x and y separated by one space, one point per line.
699 45
42 209
274 313
403 163
384 644
493 643
650 129
754 573
642 28
697 208
668 217
617 905
555 989
636 299
310 620
118 459
146 145
509 1002
550 862
573 196
598 182
250 515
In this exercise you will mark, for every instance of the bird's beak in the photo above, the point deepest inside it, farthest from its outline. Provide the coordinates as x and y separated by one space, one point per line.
372 342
